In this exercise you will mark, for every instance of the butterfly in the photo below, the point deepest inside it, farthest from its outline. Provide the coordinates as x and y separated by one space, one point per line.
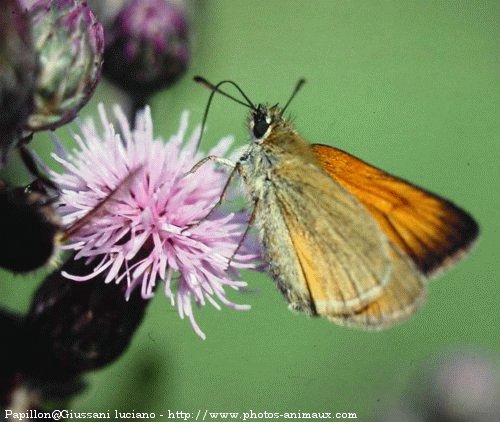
343 239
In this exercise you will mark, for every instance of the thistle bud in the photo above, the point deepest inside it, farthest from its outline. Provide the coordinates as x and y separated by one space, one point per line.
70 43
18 65
11 354
29 227
18 392
76 327
146 46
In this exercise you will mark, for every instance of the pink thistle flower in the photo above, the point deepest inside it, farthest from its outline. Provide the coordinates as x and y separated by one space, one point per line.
139 237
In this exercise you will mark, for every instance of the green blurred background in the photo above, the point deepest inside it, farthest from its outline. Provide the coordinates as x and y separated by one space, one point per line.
410 86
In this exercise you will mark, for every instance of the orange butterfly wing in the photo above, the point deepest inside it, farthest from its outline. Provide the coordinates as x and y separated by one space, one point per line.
432 231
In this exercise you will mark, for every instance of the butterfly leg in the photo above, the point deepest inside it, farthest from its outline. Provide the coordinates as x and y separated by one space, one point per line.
236 168
250 222
214 158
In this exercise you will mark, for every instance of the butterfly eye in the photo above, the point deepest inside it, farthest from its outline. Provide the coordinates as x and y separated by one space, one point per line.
260 127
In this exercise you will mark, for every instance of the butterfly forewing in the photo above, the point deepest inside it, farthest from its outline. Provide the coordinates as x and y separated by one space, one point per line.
432 231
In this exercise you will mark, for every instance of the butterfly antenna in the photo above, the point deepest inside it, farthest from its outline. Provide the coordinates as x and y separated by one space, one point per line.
214 89
299 85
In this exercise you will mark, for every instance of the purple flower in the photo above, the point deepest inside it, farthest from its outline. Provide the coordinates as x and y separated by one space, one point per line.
145 231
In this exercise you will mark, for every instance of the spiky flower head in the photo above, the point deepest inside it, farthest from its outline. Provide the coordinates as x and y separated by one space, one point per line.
147 231
18 66
70 44
147 46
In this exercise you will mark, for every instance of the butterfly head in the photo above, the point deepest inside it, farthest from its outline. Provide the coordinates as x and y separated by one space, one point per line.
263 119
